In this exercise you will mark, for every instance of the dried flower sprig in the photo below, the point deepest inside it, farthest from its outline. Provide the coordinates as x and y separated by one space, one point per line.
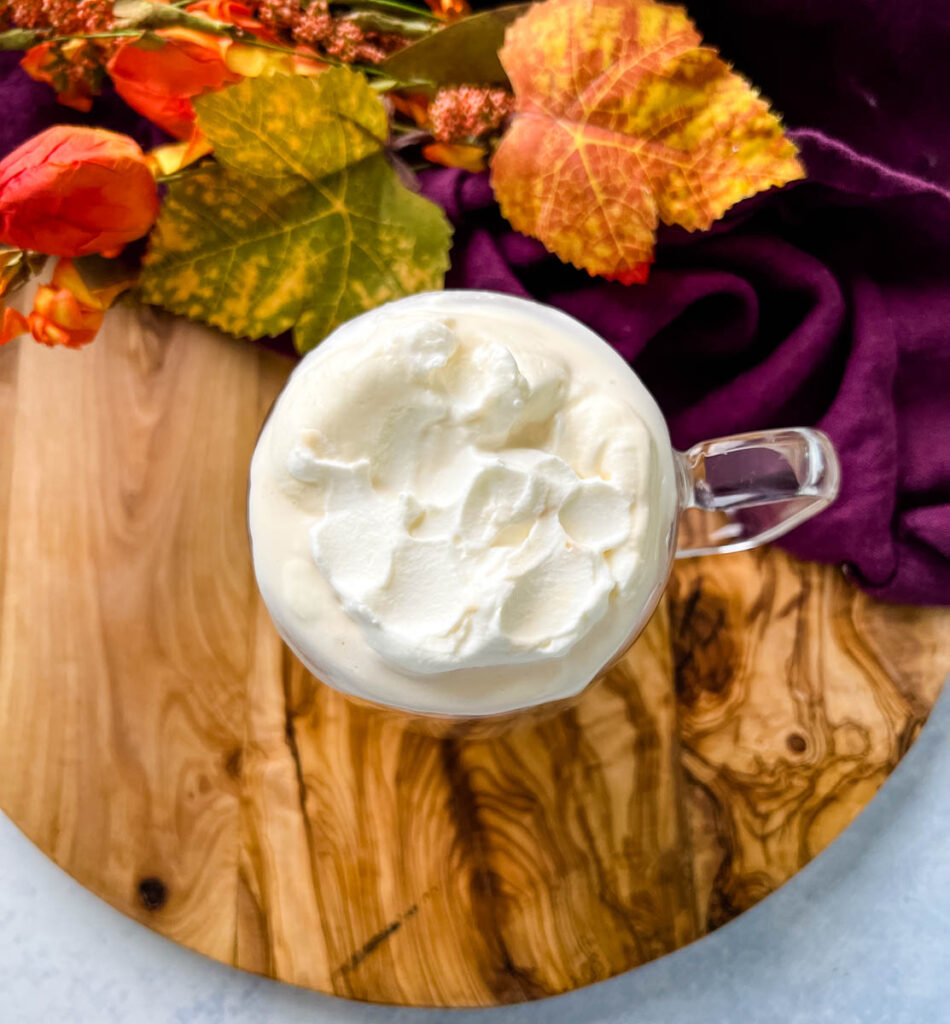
468 112
65 17
340 37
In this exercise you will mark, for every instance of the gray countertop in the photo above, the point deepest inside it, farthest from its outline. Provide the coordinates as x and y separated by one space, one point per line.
861 935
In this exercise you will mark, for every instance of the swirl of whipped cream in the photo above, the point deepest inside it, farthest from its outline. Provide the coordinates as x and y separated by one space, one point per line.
470 497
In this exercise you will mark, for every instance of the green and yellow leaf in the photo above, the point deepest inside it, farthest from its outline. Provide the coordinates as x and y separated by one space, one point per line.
301 223
294 125
623 119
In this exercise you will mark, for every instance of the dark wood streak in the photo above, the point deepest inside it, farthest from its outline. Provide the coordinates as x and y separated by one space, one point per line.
650 928
371 945
703 644
287 669
763 596
508 982
576 751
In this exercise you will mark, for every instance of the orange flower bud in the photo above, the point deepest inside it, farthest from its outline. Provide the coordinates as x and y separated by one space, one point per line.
12 324
74 191
66 311
448 154
450 10
161 83
415 107
59 319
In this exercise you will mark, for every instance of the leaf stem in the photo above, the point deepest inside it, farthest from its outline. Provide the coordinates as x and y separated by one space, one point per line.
123 33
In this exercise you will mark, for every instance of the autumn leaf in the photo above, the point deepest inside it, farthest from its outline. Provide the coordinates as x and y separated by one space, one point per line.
302 223
623 120
461 53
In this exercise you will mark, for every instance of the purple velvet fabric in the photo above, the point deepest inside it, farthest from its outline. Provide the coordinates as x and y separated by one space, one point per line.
824 303
827 303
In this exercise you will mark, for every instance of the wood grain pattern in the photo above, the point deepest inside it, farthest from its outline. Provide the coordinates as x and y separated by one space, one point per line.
159 742
797 697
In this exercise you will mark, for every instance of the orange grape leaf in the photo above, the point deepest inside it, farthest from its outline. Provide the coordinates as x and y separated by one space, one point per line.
623 119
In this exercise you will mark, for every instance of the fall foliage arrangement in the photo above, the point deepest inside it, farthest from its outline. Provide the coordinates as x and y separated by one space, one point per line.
288 200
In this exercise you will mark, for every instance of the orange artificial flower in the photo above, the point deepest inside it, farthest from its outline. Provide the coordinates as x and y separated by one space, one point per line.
65 312
59 319
161 83
450 154
72 191
67 68
414 106
232 12
12 324
450 10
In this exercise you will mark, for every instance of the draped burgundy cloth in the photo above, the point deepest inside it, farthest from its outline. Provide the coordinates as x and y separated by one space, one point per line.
826 303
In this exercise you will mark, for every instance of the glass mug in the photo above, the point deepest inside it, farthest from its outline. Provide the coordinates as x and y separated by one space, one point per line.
728 494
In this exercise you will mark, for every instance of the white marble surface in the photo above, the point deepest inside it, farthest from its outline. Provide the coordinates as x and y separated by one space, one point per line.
861 936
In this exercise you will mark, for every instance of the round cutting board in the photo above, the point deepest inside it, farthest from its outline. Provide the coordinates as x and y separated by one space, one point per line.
160 744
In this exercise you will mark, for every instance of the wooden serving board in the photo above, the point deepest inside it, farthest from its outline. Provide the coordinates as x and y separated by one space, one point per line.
158 741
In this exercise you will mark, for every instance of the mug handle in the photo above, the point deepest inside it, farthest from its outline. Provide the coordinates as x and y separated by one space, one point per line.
741 491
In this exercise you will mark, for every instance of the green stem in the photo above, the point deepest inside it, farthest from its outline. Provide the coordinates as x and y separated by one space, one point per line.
396 5
116 34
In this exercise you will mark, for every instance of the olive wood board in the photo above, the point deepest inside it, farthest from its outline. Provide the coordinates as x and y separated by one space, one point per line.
160 743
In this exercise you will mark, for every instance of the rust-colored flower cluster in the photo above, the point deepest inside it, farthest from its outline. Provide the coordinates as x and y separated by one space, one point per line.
341 38
460 120
74 67
468 112
278 14
67 17
309 25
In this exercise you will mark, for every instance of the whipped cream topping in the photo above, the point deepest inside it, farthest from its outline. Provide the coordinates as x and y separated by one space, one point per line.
449 494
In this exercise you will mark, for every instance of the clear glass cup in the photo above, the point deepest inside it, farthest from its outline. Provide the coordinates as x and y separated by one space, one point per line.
727 494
